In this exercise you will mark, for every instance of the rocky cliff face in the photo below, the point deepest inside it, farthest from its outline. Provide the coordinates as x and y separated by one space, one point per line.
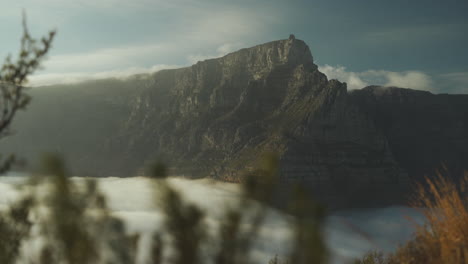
216 118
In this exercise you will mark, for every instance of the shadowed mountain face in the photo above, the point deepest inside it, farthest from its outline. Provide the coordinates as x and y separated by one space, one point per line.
216 118
425 132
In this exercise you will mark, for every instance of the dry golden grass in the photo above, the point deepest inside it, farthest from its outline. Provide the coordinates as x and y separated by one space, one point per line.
444 237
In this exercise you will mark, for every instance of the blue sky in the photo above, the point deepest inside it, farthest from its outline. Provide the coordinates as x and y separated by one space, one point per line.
418 44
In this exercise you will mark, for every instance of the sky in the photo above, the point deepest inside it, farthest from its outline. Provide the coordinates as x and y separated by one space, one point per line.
419 44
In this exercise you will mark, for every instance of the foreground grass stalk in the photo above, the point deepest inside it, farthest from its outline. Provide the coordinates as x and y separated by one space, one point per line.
443 239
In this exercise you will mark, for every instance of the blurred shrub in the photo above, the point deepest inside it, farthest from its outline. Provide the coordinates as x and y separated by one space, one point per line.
13 76
14 228
240 225
73 224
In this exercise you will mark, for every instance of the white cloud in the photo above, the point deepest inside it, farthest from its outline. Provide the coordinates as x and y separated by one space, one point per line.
104 59
75 77
357 80
340 73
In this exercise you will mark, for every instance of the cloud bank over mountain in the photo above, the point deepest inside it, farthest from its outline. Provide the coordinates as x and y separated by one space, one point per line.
357 80
443 83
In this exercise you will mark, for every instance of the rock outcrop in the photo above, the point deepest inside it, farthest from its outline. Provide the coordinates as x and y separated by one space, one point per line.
215 118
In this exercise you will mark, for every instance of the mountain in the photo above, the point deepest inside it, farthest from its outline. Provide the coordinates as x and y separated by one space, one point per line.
425 132
217 117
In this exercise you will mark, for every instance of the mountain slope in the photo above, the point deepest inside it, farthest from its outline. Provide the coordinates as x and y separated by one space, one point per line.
426 132
216 118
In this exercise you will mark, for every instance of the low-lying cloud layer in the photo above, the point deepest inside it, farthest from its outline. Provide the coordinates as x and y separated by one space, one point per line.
64 69
349 234
76 77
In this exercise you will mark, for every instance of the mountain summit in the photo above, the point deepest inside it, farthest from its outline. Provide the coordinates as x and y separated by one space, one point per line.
217 117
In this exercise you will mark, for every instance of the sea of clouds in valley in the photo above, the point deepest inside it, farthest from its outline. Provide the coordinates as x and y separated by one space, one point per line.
348 233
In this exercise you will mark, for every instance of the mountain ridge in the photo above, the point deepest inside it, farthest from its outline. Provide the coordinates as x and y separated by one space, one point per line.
216 117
